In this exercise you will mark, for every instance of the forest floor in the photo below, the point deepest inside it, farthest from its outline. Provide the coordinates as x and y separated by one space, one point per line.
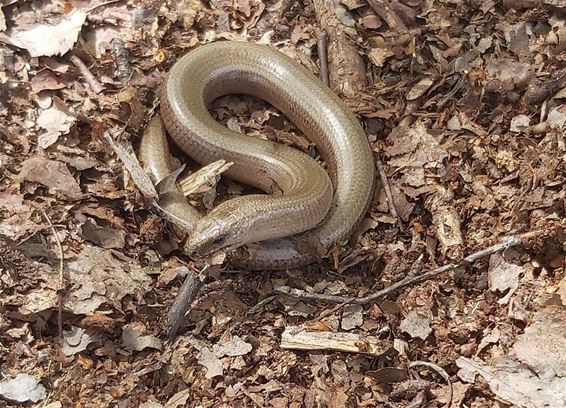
462 102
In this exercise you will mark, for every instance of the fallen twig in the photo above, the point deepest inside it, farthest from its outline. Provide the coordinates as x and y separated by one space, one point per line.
96 19
204 179
298 338
131 163
346 68
506 243
322 46
387 189
182 302
336 308
314 297
61 289
190 185
89 77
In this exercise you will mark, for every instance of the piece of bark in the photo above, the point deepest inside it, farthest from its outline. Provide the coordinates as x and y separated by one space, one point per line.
392 13
204 179
297 338
322 47
183 300
347 72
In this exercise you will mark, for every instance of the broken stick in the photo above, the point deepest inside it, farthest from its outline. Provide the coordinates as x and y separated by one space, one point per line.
298 338
505 243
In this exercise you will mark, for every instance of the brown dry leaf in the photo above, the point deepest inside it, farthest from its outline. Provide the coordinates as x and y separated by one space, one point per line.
98 41
103 214
557 117
77 162
56 120
135 339
538 378
491 338
416 325
76 340
446 221
352 317
353 4
106 237
49 39
52 174
459 393
38 299
100 322
520 123
232 348
562 291
171 272
251 10
153 404
389 375
46 80
505 75
179 399
16 218
419 89
412 150
371 22
403 207
99 277
22 388
187 11
462 121
378 56
336 287
295 308
503 277
518 39
300 33
542 346
208 359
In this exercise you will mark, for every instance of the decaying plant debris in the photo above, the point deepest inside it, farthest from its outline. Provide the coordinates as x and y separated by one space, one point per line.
463 104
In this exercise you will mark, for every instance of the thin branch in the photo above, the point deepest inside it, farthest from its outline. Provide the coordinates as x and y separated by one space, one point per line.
506 243
346 68
192 285
387 189
314 297
183 300
336 308
322 46
131 163
61 289
89 77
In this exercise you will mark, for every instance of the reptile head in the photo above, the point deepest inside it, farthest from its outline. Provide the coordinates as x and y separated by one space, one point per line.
220 230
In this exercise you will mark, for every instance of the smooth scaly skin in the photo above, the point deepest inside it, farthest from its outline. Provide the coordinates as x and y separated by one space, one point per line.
232 67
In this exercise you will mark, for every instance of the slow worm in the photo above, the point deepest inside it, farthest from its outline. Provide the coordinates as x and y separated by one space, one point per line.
306 212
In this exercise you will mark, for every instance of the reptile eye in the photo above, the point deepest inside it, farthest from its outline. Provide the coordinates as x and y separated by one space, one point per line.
217 241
